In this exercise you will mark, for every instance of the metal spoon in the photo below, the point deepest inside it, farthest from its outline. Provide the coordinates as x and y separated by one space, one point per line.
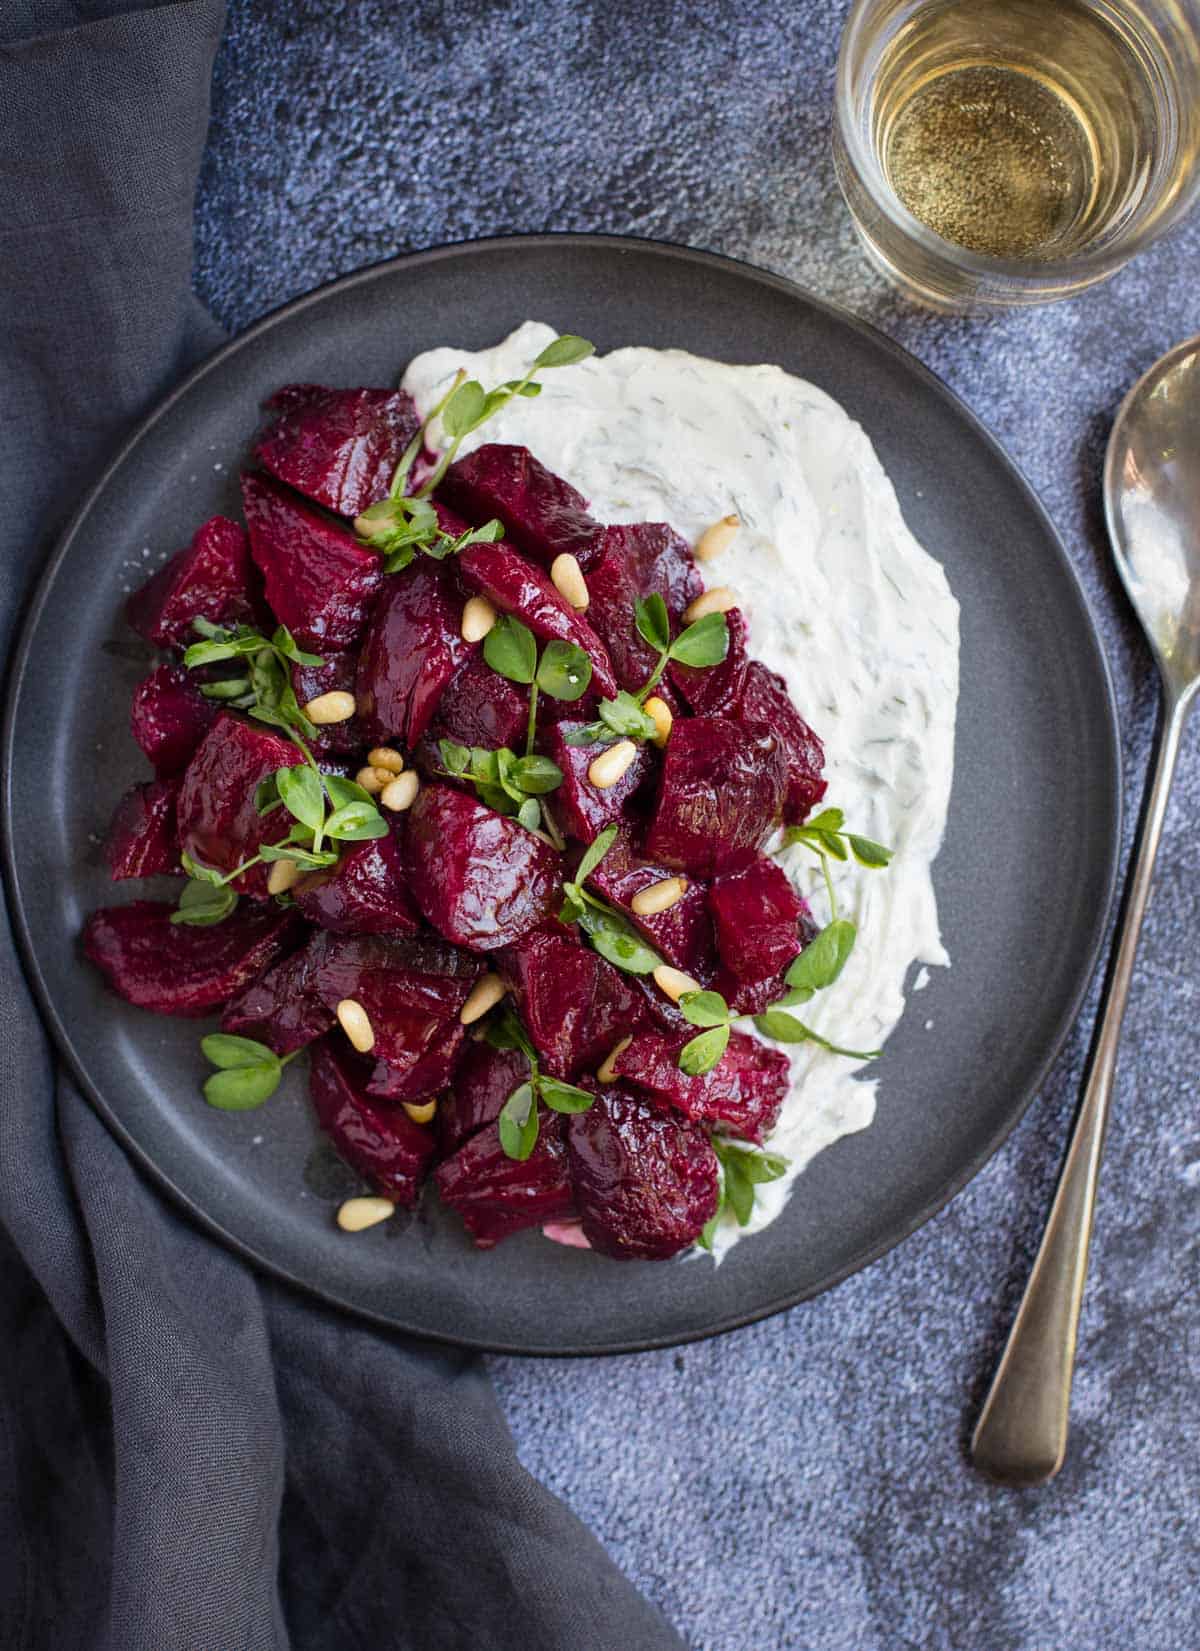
1152 503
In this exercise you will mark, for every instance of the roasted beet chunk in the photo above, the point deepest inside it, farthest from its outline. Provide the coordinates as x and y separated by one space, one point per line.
282 1007
516 587
210 579
339 447
756 914
765 699
169 717
177 969
661 560
575 1006
683 933
716 690
381 1142
486 1077
479 877
637 560
412 648
481 708
219 825
142 840
645 1178
365 893
320 581
337 672
581 808
541 512
744 1091
497 1195
400 1082
720 795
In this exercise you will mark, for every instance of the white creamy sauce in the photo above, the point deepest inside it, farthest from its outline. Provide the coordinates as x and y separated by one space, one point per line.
841 600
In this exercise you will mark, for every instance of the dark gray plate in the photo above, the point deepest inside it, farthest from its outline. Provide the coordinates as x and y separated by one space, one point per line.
1022 912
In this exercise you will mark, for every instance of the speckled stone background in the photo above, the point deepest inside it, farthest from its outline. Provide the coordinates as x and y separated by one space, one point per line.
801 1483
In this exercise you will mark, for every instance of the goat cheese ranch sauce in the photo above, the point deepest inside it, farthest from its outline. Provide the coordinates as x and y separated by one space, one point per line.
841 600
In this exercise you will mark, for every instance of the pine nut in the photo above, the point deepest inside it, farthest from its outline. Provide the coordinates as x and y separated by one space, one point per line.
356 1024
387 758
717 600
421 1112
612 764
337 706
357 1214
478 618
567 577
606 1072
401 791
717 538
484 995
658 897
283 875
674 982
369 779
659 713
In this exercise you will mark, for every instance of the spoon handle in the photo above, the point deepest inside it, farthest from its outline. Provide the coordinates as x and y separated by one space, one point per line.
1021 1436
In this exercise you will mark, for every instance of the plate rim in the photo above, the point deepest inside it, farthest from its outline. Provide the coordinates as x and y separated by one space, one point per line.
30 615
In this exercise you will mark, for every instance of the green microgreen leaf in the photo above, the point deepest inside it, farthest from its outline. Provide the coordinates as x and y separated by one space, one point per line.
244 1087
357 822
704 643
536 775
201 874
867 853
201 904
595 852
589 734
625 718
823 959
510 650
653 621
564 670
704 1009
225 1050
503 1030
284 643
519 1122
309 859
233 687
564 351
456 759
829 819
302 794
709 1229
530 814
564 1097
785 1028
342 791
616 939
701 1053
466 408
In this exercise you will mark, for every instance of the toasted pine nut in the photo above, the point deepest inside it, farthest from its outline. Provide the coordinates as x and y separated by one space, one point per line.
283 875
357 1214
717 600
610 765
421 1112
659 713
387 758
356 1024
484 995
674 982
606 1072
369 779
478 618
336 706
717 538
658 897
401 792
567 578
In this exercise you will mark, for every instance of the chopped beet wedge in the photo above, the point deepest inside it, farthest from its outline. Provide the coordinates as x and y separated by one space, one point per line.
614 586
339 447
481 708
431 1074
210 579
744 1091
660 560
720 795
517 587
169 717
339 671
282 1008
582 809
365 893
497 1196
479 877
219 825
486 1077
177 969
381 1142
541 513
716 691
320 581
574 1005
765 699
645 1178
142 839
756 915
412 648
682 934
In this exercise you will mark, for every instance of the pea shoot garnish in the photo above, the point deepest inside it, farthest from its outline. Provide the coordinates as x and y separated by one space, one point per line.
610 931
740 1169
563 671
504 781
265 688
248 1072
518 1120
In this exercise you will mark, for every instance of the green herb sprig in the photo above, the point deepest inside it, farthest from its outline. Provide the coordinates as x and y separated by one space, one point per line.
504 781
248 1073
518 1121
563 670
610 931
265 688
740 1171
824 835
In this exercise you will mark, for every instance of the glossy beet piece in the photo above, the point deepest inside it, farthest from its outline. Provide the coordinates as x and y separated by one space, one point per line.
645 1178
716 690
429 1076
543 514
339 447
581 809
366 893
320 581
412 648
744 1092
757 919
219 825
683 933
481 708
517 587
574 1005
142 839
497 1196
765 699
338 671
282 1007
169 717
614 585
382 1143
479 877
663 562
721 793
177 969
211 579
485 1078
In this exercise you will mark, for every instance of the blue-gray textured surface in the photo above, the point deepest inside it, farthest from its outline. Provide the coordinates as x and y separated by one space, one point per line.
801 1483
